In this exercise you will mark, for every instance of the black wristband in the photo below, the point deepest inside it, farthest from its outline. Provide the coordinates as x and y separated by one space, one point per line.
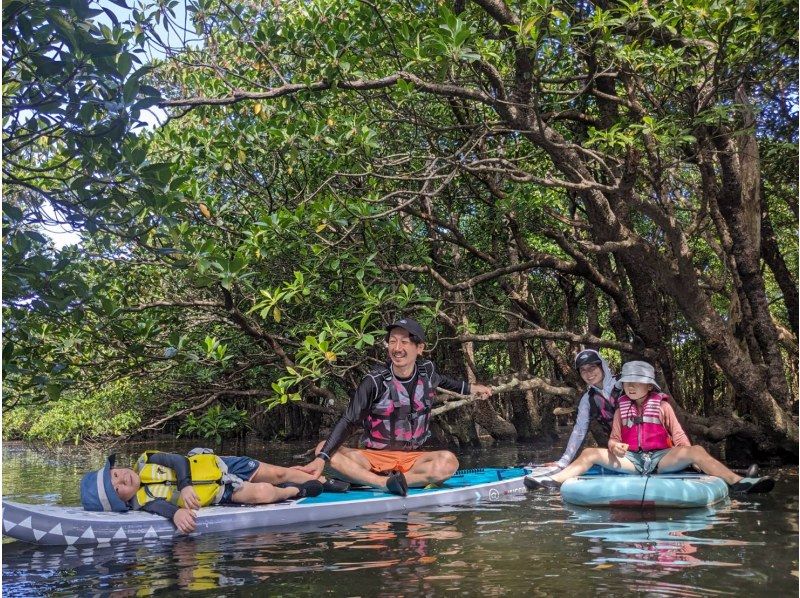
324 456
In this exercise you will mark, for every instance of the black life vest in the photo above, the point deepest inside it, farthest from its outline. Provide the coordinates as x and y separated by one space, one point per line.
604 413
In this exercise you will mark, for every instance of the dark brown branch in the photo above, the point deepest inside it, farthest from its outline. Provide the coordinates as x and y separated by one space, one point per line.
540 261
357 85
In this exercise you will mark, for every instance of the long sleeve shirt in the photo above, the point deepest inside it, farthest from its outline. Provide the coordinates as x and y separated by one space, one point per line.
371 389
579 432
584 416
668 419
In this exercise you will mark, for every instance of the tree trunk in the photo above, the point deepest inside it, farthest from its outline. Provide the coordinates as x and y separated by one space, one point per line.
735 202
522 404
709 384
783 276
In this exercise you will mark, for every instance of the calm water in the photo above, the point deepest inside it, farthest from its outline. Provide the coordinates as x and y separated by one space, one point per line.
524 545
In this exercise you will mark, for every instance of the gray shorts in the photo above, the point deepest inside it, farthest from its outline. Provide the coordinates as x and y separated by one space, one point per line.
244 467
646 462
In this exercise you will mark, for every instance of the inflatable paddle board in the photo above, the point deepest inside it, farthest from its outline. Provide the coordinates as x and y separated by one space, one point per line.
600 487
72 526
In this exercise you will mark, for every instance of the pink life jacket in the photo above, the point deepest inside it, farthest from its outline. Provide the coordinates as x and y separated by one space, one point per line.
643 431
396 421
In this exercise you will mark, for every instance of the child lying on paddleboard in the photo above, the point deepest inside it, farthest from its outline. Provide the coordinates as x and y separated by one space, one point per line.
647 438
174 486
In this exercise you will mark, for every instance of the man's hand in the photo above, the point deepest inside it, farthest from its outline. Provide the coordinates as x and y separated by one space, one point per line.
184 520
618 449
481 390
551 464
314 468
190 498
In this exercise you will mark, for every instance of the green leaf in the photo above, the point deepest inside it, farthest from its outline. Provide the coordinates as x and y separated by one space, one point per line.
124 63
12 212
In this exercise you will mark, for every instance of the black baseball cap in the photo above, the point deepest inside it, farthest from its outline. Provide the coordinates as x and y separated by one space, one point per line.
410 326
586 357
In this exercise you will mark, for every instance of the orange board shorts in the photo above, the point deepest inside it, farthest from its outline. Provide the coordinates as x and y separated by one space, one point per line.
386 461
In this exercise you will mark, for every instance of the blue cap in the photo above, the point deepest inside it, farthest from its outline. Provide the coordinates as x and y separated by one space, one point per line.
97 492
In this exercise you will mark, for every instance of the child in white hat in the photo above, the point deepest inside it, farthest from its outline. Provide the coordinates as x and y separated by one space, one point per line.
646 438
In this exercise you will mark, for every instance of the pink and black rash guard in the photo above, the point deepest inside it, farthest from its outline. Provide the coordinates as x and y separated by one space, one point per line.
366 403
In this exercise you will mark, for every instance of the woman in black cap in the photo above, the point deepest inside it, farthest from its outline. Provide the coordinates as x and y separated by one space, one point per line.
598 402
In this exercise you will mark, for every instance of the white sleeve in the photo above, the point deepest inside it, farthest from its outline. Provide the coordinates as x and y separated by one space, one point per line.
579 431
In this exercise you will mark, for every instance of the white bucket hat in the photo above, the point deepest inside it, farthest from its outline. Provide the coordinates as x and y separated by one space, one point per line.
638 371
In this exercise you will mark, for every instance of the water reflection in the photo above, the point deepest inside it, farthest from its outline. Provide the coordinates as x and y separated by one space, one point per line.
653 541
397 552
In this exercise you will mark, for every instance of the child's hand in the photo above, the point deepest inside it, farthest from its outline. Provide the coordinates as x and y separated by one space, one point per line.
190 498
184 520
619 449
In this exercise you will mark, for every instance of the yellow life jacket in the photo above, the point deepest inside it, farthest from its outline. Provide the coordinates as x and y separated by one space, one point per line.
158 481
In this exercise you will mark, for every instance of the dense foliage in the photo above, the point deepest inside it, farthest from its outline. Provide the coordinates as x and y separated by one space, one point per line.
526 179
